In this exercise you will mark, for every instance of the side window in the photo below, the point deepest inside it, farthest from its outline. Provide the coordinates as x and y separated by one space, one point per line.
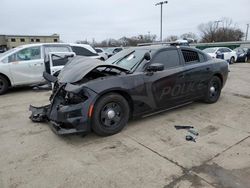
59 61
169 58
190 56
98 50
226 50
56 49
26 54
82 51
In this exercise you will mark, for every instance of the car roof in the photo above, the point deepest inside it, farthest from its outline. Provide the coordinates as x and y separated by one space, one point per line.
42 44
159 47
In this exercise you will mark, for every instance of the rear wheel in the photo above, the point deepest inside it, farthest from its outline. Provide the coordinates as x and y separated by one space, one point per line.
232 60
111 114
213 90
4 85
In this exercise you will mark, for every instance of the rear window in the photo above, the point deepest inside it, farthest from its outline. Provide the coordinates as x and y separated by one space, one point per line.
190 56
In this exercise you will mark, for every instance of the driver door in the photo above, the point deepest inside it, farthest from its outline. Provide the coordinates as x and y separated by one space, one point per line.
165 87
27 66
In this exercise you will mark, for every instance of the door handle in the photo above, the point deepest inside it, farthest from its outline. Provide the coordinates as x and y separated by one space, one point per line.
38 64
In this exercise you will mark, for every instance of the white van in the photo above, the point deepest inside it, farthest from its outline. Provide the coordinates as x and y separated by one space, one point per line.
24 65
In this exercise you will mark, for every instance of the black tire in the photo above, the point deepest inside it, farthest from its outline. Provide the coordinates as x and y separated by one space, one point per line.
4 85
246 59
102 123
232 60
213 90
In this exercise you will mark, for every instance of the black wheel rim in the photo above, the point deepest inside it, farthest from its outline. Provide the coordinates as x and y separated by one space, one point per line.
214 90
111 114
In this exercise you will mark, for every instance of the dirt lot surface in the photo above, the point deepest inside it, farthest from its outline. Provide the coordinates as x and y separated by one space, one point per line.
148 153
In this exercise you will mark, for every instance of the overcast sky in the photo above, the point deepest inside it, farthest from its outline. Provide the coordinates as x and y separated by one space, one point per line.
101 19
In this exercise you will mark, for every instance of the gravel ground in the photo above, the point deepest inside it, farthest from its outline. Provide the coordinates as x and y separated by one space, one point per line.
148 153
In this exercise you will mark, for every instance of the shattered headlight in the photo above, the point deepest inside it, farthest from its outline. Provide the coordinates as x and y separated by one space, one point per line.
72 98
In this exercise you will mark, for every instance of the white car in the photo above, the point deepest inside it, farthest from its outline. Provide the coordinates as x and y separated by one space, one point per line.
24 65
102 53
222 53
85 50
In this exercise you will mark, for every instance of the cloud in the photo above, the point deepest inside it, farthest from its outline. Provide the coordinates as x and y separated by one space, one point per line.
79 20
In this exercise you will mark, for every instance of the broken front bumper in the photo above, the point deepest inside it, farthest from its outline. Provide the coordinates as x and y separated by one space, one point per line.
64 118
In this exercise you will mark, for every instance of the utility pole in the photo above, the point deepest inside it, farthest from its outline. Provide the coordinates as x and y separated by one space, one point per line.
247 32
161 4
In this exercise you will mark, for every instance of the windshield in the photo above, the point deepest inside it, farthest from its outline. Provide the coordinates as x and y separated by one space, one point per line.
128 58
210 50
239 50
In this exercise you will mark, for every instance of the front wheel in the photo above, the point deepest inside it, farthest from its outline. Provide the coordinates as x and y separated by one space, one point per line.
111 114
213 90
4 85
232 60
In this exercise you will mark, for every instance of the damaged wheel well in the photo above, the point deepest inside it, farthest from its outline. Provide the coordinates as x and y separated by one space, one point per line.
125 95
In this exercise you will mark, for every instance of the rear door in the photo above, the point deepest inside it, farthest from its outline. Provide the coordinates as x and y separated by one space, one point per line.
58 60
197 72
27 66
165 87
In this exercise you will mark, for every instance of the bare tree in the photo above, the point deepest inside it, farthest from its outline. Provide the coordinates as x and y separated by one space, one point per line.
189 35
224 31
127 41
171 38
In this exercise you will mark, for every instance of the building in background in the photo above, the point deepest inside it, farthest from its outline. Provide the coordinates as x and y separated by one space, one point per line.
12 41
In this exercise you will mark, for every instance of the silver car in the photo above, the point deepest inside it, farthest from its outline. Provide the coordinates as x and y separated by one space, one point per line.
24 65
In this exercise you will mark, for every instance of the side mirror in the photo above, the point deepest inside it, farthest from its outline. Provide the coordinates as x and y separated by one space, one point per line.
147 56
155 67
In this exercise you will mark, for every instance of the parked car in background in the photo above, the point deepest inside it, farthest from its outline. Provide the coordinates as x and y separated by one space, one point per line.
85 50
111 51
102 53
24 65
222 53
243 54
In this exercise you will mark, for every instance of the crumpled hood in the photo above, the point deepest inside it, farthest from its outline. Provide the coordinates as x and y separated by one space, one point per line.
79 66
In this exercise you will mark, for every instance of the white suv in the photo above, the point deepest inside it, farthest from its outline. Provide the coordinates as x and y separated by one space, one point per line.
24 65
222 53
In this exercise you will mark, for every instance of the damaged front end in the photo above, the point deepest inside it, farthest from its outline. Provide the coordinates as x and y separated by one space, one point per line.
71 101
68 110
